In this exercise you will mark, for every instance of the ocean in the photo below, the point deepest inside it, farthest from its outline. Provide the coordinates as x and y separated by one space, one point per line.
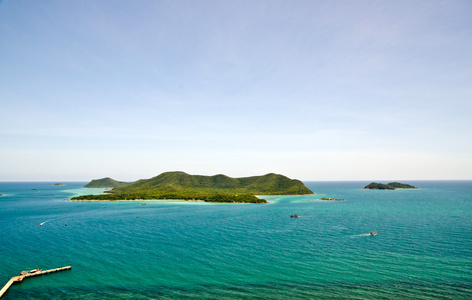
197 250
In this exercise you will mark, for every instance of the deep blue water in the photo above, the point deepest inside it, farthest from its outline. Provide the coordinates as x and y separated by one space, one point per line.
188 250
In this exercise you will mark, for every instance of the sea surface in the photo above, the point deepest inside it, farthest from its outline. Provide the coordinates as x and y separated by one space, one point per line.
196 250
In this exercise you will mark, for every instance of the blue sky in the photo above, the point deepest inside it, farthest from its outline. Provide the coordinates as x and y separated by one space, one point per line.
315 90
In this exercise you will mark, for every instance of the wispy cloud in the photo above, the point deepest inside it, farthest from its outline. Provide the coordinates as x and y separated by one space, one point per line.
237 84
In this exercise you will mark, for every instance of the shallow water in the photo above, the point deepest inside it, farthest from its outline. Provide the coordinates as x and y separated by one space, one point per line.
172 249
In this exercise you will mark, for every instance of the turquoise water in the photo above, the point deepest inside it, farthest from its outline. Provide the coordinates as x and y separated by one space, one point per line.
188 250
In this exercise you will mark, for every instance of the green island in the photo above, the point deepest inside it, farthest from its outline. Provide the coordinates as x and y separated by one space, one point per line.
58 184
182 186
106 182
388 186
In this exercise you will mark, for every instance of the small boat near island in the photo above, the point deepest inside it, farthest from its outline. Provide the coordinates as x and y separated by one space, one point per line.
294 216
373 233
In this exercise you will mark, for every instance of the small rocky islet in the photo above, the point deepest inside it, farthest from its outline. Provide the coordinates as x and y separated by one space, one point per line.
331 199
388 186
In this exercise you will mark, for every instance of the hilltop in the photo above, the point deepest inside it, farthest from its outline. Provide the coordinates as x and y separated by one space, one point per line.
270 184
218 188
106 182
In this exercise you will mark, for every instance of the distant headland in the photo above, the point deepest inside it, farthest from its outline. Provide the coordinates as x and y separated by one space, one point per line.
58 184
106 182
182 186
388 186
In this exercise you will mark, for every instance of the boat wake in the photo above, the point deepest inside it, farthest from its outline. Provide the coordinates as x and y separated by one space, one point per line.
67 216
362 234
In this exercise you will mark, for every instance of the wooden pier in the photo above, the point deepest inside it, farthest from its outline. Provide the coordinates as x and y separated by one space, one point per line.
23 276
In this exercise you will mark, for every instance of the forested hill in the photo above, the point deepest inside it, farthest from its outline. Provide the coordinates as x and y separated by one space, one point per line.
218 188
270 184
388 186
105 183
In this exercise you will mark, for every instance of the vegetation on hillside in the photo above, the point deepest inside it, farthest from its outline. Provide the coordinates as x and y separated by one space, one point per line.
399 185
105 183
270 184
226 198
389 186
218 188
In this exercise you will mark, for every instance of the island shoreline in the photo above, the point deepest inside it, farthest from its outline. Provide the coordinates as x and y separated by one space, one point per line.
196 200
168 200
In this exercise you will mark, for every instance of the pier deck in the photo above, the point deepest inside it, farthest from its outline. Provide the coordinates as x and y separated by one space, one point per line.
21 277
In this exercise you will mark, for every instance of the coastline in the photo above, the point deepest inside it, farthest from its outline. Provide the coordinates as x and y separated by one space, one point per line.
415 188
136 200
285 195
169 200
193 200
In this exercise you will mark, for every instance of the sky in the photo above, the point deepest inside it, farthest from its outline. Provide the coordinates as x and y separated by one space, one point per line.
314 90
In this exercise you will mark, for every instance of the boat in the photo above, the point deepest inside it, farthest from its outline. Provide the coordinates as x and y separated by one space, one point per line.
294 216
373 233
30 271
